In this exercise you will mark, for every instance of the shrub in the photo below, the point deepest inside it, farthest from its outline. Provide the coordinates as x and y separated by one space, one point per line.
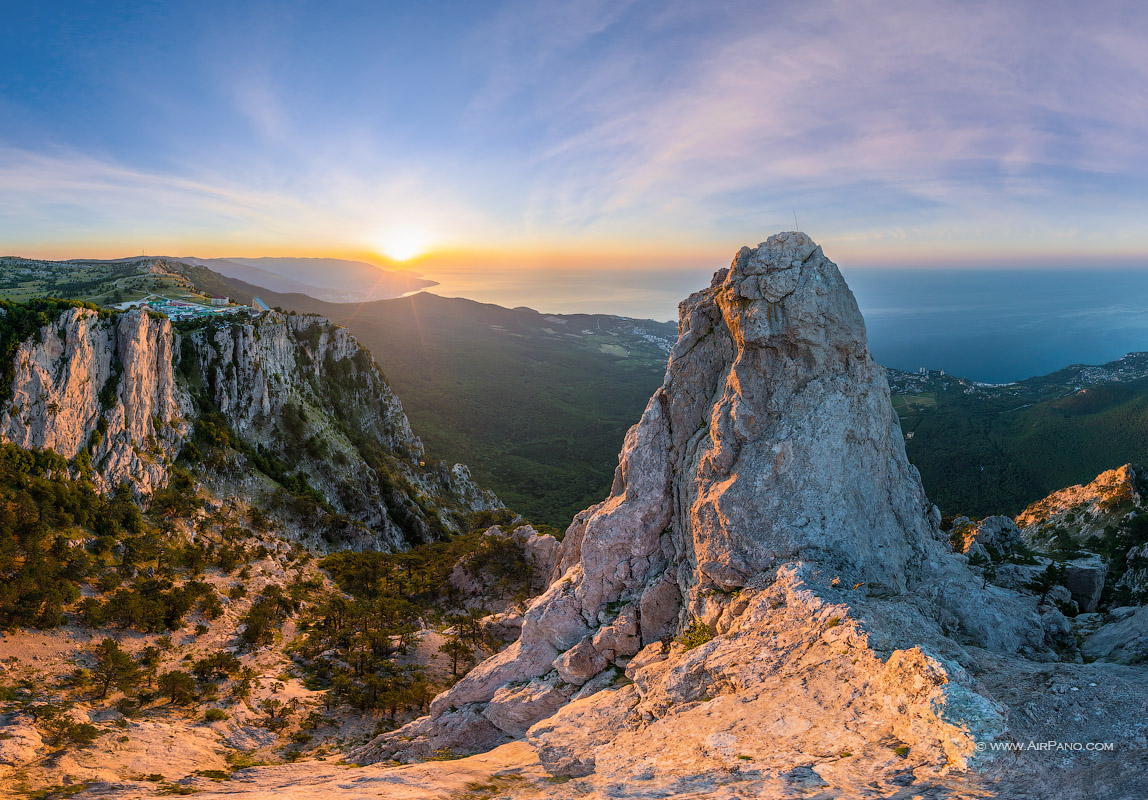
83 733
59 728
220 664
214 715
696 635
114 667
127 706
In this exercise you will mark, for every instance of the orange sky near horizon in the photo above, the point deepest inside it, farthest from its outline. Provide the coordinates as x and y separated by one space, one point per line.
628 256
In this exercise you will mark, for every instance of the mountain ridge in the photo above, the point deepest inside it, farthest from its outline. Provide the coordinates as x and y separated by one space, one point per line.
770 579
125 395
342 280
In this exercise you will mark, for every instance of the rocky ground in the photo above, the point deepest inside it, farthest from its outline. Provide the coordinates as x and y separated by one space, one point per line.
154 748
765 606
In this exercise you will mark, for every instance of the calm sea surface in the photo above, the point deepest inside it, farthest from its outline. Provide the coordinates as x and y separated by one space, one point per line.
989 325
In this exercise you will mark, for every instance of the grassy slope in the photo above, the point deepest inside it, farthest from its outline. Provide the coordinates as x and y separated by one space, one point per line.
538 416
1025 453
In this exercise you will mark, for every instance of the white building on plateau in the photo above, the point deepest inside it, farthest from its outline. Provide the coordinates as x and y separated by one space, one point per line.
218 300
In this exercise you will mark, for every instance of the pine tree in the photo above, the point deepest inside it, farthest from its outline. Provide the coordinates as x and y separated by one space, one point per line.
114 667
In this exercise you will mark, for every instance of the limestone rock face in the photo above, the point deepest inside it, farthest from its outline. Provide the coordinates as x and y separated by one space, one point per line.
784 443
119 390
1124 639
763 503
304 390
772 440
1135 579
1083 511
101 383
514 709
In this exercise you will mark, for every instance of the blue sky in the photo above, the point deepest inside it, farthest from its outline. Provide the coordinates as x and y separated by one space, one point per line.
527 133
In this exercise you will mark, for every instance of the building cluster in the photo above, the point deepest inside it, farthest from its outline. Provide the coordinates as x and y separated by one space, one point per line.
177 310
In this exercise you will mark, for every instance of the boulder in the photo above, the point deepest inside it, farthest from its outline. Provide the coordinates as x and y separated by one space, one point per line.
620 639
1084 578
581 662
993 539
1018 576
1123 640
513 709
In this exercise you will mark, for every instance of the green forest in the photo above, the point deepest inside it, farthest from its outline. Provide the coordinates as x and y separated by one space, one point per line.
536 405
982 455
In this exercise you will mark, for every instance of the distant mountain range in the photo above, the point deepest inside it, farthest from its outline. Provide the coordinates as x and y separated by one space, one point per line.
538 404
334 280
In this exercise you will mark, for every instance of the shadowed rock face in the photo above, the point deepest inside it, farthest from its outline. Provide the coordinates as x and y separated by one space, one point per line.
773 439
768 574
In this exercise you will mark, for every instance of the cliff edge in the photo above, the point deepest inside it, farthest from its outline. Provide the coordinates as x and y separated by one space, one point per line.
765 597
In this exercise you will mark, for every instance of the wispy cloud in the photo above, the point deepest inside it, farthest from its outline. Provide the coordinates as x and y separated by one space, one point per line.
963 109
64 197
668 122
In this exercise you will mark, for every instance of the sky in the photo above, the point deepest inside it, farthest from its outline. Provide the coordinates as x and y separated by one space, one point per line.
576 135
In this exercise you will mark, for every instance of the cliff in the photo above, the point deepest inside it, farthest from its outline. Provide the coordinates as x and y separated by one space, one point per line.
1084 511
765 597
102 386
304 391
120 396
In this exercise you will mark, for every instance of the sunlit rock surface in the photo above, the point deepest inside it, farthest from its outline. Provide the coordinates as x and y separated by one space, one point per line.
764 605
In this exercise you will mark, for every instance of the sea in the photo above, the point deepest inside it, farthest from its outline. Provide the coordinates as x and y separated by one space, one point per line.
990 325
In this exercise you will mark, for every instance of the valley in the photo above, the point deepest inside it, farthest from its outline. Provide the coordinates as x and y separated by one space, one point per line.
993 449
232 566
535 404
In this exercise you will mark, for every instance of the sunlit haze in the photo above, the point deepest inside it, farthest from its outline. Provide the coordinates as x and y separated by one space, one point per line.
594 135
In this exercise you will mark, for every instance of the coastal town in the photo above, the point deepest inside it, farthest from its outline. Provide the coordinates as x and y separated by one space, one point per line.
1074 378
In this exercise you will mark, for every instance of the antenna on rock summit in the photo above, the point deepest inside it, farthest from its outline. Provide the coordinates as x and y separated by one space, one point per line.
796 227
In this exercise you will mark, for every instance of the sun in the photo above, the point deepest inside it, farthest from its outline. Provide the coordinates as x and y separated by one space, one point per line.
402 244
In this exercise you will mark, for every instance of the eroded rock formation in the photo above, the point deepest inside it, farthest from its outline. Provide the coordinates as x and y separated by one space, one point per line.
122 393
105 385
766 568
1084 511
304 390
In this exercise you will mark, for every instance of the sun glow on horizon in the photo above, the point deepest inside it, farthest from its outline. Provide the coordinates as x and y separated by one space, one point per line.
402 243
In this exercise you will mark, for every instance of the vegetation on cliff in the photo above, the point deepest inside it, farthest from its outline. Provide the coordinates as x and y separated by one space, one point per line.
994 450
